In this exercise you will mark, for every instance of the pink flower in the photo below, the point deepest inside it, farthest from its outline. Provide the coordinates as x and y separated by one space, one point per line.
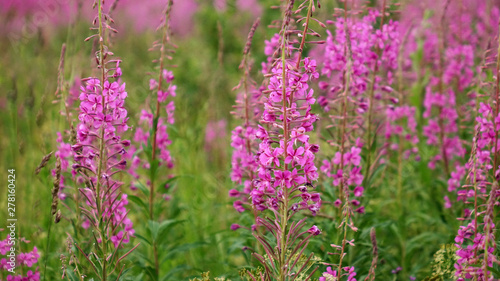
283 178
295 155
358 191
267 158
328 274
314 230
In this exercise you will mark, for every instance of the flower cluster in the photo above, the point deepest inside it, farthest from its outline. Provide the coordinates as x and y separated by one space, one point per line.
348 173
102 119
441 130
286 158
355 91
99 149
142 136
270 49
243 161
471 246
331 274
449 42
244 137
478 168
152 136
395 127
65 153
25 260
364 41
476 242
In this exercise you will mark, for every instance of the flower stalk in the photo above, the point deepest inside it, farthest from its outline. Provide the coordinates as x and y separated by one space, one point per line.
286 158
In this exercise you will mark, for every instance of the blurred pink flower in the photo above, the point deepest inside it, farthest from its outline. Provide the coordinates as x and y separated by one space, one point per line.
214 131
251 6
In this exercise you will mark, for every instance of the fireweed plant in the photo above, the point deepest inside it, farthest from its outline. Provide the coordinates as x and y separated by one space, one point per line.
286 170
370 120
243 138
453 65
475 241
150 150
355 90
65 96
63 174
449 44
66 178
99 152
465 42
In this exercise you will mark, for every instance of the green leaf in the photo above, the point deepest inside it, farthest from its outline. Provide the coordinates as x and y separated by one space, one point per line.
373 146
168 181
139 277
180 249
124 273
494 270
144 239
375 173
148 150
142 260
163 229
154 227
179 268
415 243
154 166
142 188
138 201
72 276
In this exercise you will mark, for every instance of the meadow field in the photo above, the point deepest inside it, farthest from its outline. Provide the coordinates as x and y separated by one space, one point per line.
249 140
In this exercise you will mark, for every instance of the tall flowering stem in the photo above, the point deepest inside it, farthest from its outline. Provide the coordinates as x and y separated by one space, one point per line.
286 158
476 240
243 138
64 153
98 152
371 97
161 95
152 135
354 86
449 50
345 225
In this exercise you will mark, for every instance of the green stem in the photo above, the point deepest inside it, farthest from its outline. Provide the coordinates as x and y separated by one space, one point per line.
47 249
100 222
402 221
284 210
347 83
339 272
371 93
165 39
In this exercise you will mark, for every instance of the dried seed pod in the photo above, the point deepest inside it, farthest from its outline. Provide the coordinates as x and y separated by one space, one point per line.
55 189
43 163
58 216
